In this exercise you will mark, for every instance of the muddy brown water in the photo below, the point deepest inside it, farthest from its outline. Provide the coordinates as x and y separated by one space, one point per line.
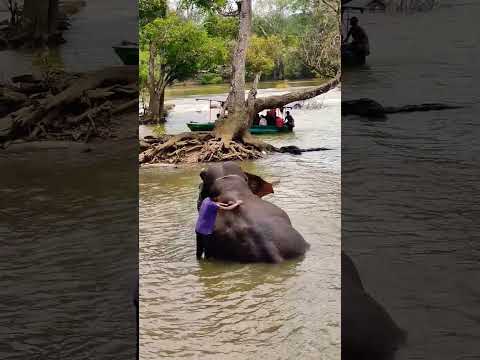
216 310
416 249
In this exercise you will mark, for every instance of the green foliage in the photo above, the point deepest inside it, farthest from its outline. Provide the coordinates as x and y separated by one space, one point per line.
221 27
183 48
262 54
291 39
210 78
149 10
206 5
143 68
320 45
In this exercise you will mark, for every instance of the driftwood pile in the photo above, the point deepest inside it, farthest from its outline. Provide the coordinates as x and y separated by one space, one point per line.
63 106
193 148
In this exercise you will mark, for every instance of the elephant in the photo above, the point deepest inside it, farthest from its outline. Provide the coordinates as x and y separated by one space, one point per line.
368 331
257 230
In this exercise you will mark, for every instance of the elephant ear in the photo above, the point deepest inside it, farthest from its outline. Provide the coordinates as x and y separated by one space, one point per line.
259 186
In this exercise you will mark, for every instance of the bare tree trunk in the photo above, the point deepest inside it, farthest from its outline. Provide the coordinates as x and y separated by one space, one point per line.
40 17
236 124
156 88
154 106
161 104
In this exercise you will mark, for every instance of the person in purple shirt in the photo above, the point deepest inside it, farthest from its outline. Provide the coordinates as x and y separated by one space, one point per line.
206 220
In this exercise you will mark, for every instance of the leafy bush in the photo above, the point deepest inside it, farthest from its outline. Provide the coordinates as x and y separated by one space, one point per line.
210 78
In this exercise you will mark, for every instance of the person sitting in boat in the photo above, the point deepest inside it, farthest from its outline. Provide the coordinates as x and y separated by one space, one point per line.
359 42
279 122
262 121
290 122
271 117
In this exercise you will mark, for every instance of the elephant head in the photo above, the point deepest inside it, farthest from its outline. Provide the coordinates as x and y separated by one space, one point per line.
212 186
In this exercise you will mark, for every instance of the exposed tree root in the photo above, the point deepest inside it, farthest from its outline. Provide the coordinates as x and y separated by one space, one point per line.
195 148
67 107
202 147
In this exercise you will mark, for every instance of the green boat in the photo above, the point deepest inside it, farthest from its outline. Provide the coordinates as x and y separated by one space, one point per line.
128 53
256 130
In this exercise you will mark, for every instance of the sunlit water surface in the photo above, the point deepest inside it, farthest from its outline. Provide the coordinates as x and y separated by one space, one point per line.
216 310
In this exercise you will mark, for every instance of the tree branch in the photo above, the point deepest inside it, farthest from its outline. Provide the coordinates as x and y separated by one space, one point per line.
282 100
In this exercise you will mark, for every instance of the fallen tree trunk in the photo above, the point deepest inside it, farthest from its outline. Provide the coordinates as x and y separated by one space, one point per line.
278 101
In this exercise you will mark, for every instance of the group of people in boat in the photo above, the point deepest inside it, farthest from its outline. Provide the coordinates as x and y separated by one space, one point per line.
271 119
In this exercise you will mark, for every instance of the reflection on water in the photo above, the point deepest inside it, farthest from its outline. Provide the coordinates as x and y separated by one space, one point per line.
399 247
88 45
217 310
67 234
67 237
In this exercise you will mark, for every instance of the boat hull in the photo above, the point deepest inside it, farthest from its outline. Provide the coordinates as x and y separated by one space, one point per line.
256 130
128 54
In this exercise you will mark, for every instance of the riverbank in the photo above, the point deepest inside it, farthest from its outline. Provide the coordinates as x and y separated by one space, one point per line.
195 88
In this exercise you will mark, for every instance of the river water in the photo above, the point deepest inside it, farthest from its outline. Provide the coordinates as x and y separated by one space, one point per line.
215 310
410 195
68 221
100 25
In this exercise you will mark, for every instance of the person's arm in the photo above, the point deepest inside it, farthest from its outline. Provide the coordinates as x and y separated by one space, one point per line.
229 206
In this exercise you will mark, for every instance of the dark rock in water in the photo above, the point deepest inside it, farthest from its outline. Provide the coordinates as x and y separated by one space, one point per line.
370 108
295 150
368 331
363 107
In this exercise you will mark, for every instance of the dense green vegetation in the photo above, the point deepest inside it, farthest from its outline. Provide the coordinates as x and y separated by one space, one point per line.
277 47
290 40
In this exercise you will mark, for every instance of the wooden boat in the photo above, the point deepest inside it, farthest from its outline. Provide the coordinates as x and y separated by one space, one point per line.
351 58
255 130
128 53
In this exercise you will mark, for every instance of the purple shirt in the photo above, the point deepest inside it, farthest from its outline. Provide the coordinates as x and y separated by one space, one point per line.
206 217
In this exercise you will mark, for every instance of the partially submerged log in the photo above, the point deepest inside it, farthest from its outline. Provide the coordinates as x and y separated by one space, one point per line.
370 108
73 107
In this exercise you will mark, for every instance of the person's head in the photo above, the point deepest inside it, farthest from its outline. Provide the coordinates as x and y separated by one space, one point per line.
218 116
354 21
288 112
